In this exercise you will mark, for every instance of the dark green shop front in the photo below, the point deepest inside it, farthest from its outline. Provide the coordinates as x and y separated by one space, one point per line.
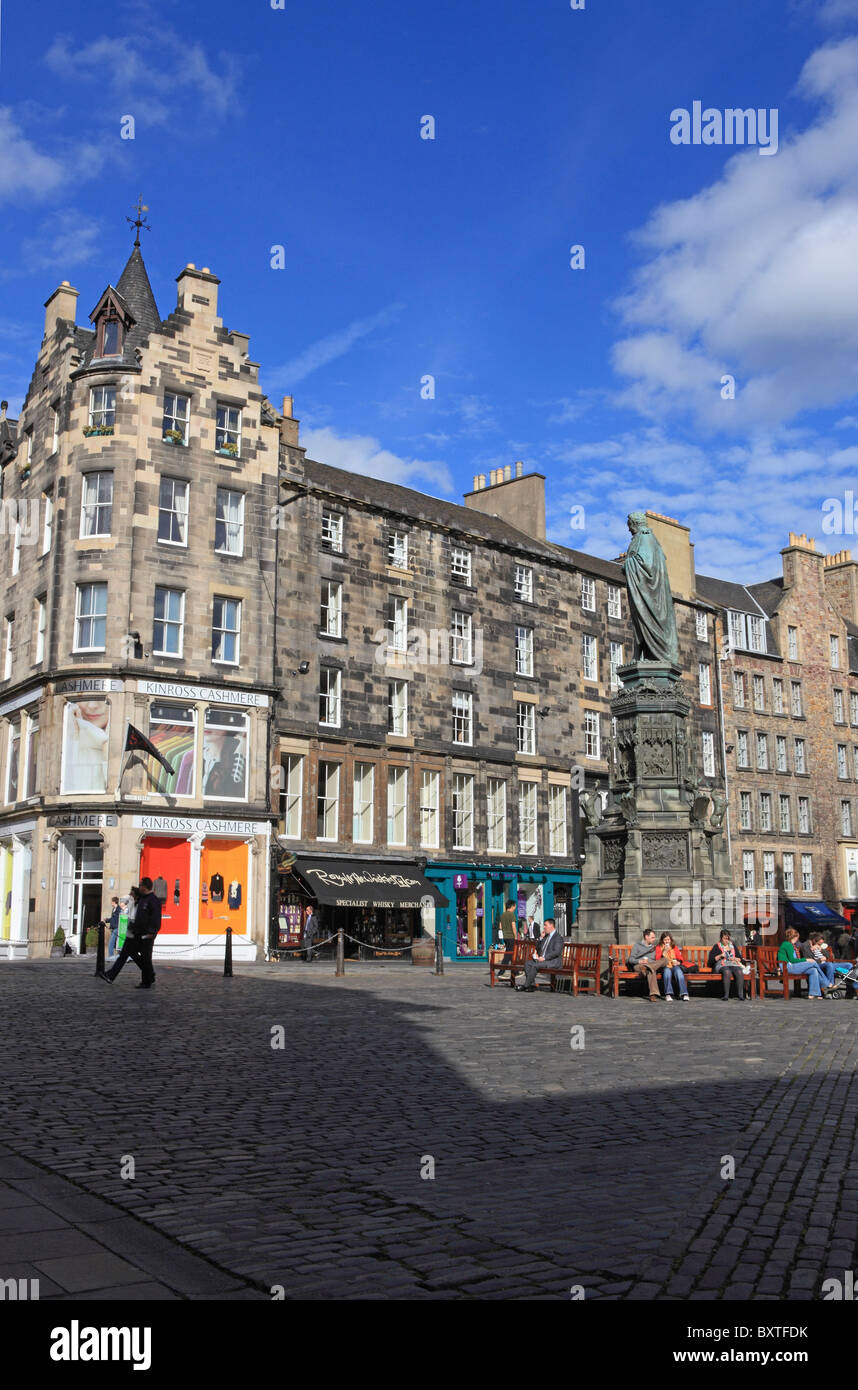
478 893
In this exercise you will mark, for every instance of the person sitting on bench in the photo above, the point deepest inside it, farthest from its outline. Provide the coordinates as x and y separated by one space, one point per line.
725 958
552 954
642 959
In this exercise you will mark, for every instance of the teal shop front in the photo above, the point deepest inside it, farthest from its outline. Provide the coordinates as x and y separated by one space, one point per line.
478 893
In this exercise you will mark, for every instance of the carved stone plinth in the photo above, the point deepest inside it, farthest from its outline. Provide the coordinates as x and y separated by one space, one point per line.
661 832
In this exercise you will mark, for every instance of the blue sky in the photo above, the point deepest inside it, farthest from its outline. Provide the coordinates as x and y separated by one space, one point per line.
257 127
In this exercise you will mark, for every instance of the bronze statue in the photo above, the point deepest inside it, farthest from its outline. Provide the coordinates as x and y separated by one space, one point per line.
650 599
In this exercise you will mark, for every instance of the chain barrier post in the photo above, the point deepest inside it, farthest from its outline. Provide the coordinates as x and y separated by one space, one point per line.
99 953
439 954
227 955
341 953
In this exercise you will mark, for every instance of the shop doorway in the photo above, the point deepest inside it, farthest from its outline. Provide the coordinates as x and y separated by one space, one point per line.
87 888
470 917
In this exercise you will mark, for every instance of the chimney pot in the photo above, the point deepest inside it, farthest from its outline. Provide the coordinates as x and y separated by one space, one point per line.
519 468
507 472
287 407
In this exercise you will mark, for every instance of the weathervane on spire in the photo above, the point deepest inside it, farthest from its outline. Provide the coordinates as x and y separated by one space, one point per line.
139 221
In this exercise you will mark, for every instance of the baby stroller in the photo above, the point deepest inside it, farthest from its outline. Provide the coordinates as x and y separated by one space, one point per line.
845 974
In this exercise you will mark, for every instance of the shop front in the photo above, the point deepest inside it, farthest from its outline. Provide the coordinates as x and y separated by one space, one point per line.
208 873
478 893
383 906
16 855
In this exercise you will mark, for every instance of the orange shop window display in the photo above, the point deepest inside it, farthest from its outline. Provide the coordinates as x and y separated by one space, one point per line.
167 861
224 886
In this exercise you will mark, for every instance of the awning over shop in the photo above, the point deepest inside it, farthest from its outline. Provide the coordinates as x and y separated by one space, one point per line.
354 883
814 914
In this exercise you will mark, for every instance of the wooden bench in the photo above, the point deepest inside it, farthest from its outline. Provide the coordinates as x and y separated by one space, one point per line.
521 951
771 971
698 974
578 962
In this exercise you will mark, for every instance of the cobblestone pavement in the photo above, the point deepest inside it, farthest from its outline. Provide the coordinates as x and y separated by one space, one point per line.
301 1167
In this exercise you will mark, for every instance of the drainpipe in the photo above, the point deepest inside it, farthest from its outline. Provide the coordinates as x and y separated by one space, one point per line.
723 655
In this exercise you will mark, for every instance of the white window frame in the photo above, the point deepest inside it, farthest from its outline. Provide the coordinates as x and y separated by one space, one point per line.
228 425
701 623
326 801
48 528
91 617
231 518
807 873
524 583
761 748
765 811
708 740
800 755
397 625
739 690
768 869
704 682
834 651
592 735
842 762
589 657
9 648
615 601
523 651
330 696
461 564
743 751
781 757
795 702
792 643
846 819
293 796
789 871
777 695
331 608
496 815
617 659
853 707
173 417
397 708
13 735
745 811
759 693
785 813
332 530
463 717
397 806
463 810
168 623
461 638
588 594
55 431
397 549
804 820
525 723
174 505
528 816
558 835
748 868
839 708
94 511
430 808
102 403
226 631
41 628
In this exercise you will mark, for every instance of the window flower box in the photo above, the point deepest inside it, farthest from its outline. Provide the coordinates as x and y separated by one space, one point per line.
229 451
173 437
97 429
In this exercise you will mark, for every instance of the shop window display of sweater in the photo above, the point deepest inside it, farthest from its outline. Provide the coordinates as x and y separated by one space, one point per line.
216 888
233 896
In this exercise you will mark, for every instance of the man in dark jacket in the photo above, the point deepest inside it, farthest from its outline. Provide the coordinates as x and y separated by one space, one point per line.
552 953
310 933
138 946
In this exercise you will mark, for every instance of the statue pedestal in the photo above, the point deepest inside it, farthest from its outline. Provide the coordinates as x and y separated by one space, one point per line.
656 848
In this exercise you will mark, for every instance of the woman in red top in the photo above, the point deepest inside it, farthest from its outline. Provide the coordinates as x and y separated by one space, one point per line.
673 970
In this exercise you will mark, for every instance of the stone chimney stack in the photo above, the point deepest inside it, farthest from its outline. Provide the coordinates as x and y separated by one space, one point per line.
198 292
519 500
61 305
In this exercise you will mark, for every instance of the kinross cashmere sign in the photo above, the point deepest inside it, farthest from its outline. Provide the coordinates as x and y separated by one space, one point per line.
188 825
174 690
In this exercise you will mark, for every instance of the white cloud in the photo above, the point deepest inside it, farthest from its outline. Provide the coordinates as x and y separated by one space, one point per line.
837 11
25 170
63 239
740 502
151 73
363 454
756 276
328 349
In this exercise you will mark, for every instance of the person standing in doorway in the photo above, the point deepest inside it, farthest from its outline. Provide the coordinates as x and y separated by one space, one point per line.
310 933
506 928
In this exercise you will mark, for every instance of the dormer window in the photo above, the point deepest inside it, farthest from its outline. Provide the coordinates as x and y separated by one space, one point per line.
111 338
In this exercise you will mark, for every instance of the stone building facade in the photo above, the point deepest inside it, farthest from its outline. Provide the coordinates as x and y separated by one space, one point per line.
350 680
139 592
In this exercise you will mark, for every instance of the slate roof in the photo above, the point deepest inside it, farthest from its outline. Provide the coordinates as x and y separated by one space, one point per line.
134 293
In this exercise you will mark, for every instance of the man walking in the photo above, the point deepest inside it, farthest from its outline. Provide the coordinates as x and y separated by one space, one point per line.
507 933
139 945
552 953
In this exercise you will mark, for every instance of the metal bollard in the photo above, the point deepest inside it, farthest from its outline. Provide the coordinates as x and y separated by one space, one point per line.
99 953
439 955
227 955
341 953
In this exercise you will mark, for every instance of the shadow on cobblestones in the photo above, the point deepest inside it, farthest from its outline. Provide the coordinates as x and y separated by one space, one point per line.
301 1167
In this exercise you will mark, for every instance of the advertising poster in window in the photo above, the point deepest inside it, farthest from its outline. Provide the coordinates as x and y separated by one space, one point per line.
173 731
225 736
85 740
224 886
